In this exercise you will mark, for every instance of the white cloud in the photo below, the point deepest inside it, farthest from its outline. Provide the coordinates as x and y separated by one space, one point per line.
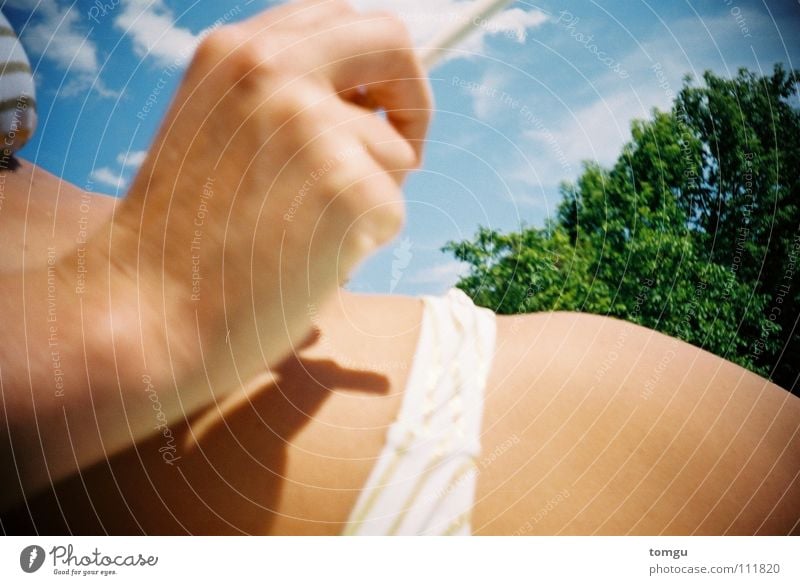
595 132
517 22
598 130
444 275
527 186
55 35
426 18
486 96
117 179
150 24
557 141
107 176
18 4
134 158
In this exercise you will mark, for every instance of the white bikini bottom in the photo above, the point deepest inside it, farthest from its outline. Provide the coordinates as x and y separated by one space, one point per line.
424 480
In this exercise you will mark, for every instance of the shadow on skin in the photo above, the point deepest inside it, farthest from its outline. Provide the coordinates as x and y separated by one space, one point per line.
230 482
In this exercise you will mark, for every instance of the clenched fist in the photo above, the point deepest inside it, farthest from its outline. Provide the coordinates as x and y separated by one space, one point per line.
270 179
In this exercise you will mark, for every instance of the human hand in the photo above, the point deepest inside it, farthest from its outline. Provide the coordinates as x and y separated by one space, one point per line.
269 181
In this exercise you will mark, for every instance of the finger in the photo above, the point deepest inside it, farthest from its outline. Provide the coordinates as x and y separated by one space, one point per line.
385 144
379 212
375 52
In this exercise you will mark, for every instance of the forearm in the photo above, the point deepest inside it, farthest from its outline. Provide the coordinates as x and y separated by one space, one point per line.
86 374
264 188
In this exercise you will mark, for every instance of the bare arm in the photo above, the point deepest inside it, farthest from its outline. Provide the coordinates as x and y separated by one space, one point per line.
73 378
266 185
622 430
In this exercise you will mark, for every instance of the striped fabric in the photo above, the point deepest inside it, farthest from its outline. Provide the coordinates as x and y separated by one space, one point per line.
17 96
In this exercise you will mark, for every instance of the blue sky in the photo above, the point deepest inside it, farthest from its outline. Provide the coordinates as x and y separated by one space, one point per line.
542 88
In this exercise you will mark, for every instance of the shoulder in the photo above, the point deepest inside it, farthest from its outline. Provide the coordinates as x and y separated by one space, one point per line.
42 213
645 432
599 351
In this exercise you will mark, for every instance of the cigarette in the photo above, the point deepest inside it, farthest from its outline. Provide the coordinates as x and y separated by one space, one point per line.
477 15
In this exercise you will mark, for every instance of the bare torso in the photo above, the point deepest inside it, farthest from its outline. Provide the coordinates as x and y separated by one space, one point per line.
591 425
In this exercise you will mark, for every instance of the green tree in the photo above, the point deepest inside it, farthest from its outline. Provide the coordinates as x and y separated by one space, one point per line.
693 232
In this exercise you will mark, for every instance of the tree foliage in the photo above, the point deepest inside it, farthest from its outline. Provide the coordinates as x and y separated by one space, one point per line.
694 232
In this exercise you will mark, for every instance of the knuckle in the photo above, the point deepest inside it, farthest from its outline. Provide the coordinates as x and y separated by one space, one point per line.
428 103
406 156
394 218
345 179
218 45
241 56
295 107
414 157
393 29
377 209
252 59
383 222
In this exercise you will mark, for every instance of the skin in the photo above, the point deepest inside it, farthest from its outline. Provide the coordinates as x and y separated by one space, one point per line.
275 411
267 183
591 426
